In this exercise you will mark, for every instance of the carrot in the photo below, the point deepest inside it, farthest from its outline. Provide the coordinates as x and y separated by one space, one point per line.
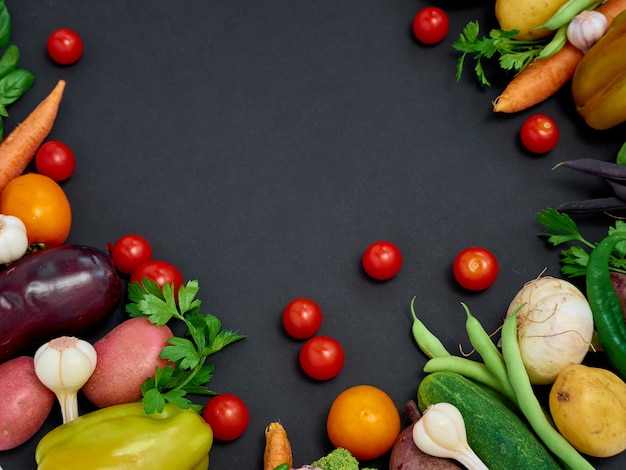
277 447
20 146
544 77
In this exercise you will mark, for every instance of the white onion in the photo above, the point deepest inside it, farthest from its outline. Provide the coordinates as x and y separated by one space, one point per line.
554 327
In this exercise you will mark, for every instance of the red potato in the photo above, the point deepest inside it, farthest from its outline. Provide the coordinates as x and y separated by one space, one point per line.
25 402
127 355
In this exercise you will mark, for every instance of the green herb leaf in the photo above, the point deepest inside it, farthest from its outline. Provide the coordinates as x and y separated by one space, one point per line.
5 24
512 54
188 373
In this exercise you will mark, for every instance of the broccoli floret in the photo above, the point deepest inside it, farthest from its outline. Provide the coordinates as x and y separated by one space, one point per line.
338 459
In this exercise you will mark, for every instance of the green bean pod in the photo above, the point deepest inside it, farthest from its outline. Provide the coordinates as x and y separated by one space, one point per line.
530 406
426 341
474 370
607 312
484 346
567 12
556 43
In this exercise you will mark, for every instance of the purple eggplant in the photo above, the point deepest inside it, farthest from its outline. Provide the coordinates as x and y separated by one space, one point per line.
63 290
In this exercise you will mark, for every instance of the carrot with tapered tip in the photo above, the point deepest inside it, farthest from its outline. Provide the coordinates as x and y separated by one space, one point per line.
20 146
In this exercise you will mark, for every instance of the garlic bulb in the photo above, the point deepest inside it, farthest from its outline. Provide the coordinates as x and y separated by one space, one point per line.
13 239
441 433
586 28
64 365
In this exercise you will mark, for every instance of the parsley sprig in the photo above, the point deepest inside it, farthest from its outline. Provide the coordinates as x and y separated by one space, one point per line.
513 54
562 229
188 373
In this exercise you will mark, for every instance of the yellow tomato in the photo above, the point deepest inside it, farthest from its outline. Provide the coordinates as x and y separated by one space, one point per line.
364 420
41 204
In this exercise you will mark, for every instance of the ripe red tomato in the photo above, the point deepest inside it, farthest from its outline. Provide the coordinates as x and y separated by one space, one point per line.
55 160
475 268
129 252
64 46
302 318
539 133
160 272
227 415
382 260
322 357
431 25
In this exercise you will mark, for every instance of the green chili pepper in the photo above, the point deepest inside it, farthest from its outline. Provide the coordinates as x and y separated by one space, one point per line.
606 309
283 466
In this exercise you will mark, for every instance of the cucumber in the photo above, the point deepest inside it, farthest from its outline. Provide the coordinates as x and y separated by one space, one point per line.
498 436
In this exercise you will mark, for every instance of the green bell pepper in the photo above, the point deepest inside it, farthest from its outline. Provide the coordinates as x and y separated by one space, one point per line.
124 437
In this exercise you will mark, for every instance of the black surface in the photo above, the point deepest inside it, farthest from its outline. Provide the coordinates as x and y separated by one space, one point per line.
261 146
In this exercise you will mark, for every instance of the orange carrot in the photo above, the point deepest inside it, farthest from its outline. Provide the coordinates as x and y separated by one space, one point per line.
20 146
277 447
544 77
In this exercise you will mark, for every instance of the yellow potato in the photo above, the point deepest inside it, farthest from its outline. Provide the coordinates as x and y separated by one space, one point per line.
523 15
588 406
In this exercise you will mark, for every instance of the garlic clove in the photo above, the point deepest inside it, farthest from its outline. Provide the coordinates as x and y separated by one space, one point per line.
64 365
441 433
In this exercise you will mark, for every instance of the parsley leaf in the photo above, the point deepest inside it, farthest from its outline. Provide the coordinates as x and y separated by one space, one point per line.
187 373
561 229
513 54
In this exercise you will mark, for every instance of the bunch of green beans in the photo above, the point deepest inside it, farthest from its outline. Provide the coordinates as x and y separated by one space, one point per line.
504 372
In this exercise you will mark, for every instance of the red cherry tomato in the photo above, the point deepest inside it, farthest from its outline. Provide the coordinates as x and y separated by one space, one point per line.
322 357
129 252
431 25
382 260
160 272
64 46
539 133
475 268
302 318
55 160
227 415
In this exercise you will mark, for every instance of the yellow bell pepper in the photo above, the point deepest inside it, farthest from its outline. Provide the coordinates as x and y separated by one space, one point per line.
124 437
599 82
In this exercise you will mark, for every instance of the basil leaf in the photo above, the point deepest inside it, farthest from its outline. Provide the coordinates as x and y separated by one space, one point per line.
14 85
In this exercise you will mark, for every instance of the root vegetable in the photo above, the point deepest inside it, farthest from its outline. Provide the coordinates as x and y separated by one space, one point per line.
277 447
127 356
20 146
25 403
405 455
588 405
554 327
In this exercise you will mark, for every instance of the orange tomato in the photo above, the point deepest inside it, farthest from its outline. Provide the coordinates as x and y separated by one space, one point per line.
41 204
364 420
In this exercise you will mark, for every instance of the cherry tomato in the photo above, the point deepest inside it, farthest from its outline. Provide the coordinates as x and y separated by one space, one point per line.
364 420
539 133
129 252
382 260
64 46
227 415
431 25
475 268
41 204
322 357
55 160
160 272
302 318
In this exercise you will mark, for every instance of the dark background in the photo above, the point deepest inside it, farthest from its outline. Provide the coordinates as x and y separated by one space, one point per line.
261 146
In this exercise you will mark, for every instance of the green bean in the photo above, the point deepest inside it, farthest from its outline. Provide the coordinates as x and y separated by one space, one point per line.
530 406
469 369
426 341
556 43
482 343
567 12
606 309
